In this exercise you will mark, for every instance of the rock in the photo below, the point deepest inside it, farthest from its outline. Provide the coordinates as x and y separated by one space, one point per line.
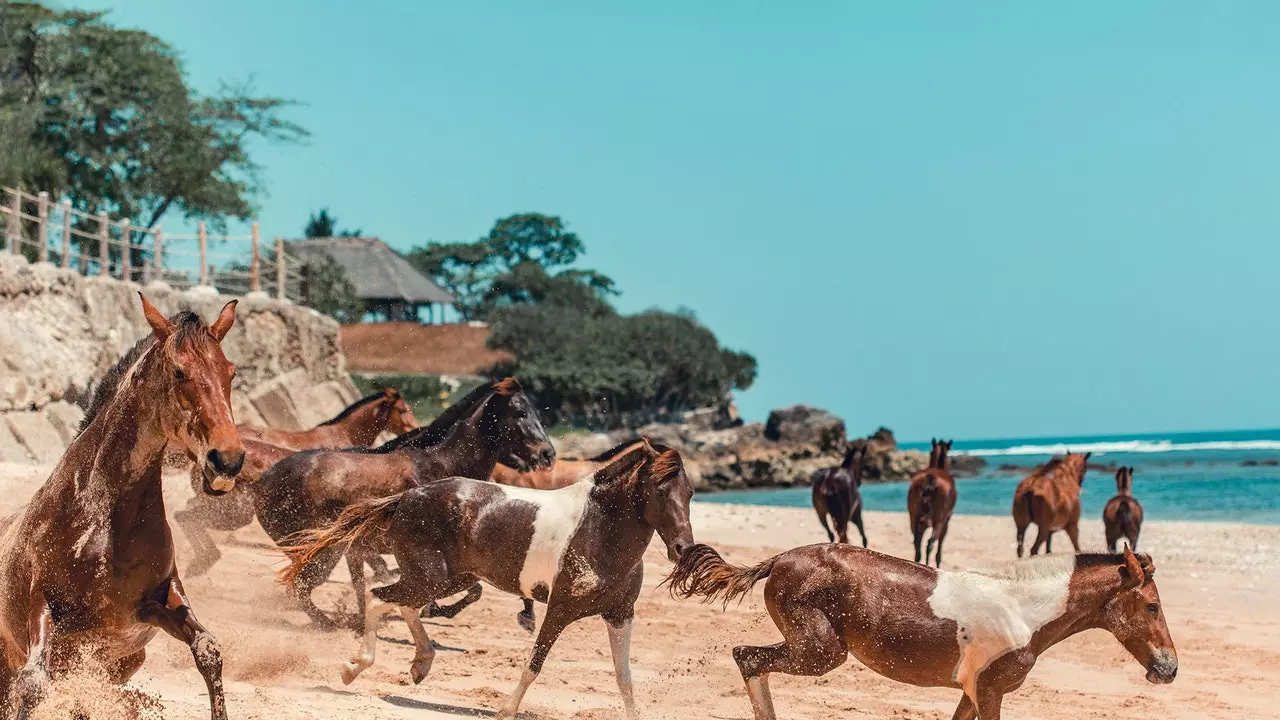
243 410
65 418
318 403
967 465
37 435
585 445
275 405
10 449
802 424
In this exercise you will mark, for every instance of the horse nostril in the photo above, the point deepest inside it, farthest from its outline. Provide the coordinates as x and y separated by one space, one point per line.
226 463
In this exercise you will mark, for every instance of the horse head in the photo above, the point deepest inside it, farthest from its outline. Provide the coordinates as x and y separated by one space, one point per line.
523 442
1133 614
667 491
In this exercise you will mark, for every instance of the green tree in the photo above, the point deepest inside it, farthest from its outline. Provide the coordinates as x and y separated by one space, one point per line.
323 225
330 292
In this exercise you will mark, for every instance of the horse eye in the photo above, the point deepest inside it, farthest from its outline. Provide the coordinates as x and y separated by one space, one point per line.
179 375
1153 608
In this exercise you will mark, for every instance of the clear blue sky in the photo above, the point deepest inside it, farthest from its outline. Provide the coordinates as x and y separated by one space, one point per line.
959 219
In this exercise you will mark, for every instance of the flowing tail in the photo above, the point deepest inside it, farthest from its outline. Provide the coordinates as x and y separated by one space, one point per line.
355 522
1124 518
701 571
928 488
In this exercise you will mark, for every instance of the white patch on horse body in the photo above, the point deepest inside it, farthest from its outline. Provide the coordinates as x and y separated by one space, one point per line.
998 611
558 514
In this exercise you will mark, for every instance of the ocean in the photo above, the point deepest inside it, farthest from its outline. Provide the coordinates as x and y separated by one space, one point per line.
1231 476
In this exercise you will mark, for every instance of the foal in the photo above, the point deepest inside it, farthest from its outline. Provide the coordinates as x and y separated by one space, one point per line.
930 500
978 631
88 569
835 493
1050 497
580 549
1122 515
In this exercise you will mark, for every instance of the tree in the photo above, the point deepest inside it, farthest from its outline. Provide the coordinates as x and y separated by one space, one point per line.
104 116
330 292
323 225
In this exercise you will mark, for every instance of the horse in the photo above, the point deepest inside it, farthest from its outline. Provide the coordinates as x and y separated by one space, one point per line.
931 498
358 424
1122 515
835 493
309 489
564 472
1050 497
976 631
88 567
579 549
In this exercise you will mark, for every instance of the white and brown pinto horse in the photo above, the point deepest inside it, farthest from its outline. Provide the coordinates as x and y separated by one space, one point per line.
580 549
976 631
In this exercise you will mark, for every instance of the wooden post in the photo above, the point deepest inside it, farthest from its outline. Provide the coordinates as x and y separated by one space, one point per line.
104 247
42 234
126 259
66 234
13 228
157 260
280 269
146 271
204 252
254 284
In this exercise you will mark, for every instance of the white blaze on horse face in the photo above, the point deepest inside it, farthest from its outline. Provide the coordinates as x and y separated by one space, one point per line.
558 515
1000 611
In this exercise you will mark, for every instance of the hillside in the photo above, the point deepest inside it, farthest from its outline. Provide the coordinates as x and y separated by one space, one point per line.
407 347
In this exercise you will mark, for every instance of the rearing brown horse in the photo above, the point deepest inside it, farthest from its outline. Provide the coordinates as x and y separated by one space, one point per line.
1050 498
930 500
87 569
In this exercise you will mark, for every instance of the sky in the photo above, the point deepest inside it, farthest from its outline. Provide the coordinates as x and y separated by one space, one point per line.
953 219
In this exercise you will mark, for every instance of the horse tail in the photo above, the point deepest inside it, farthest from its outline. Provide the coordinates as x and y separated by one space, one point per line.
928 488
356 521
1029 499
839 502
1124 517
701 571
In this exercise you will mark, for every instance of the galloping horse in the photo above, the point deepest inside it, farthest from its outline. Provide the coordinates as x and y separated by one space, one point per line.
563 473
977 631
87 570
309 489
1050 498
1122 515
580 549
359 424
835 493
930 500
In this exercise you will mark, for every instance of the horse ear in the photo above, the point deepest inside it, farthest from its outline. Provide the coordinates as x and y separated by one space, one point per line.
1088 455
160 325
1131 574
226 319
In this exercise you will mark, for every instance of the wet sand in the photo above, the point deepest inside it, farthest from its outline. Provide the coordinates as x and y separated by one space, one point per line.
1220 585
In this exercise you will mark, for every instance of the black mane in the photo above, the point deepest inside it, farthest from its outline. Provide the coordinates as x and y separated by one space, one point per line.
614 451
352 408
439 429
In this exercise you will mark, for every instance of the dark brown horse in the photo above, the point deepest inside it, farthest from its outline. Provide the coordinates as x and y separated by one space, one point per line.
580 549
495 422
979 631
835 493
562 473
930 500
1050 498
87 569
1122 515
357 425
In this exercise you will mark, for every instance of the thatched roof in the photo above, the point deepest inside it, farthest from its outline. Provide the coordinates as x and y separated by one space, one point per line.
376 271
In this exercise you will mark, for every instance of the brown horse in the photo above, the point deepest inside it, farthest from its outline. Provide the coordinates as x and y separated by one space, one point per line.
978 631
1050 498
835 493
87 569
359 424
580 549
563 473
930 500
1122 515
309 489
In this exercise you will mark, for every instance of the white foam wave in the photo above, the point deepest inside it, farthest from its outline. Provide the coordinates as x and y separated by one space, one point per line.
1126 446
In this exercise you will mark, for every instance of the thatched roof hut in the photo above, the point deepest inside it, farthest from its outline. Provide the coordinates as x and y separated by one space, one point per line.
390 286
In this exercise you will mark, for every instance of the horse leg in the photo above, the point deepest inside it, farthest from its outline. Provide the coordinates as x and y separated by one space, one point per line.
620 645
1073 534
966 709
424 653
811 647
842 528
941 532
1133 541
355 566
525 618
313 576
1022 533
191 520
1042 535
822 518
33 678
917 535
174 616
857 521
928 548
374 610
554 622
1112 539
451 611
1048 544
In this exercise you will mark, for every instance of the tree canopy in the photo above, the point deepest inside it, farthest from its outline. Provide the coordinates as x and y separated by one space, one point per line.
103 115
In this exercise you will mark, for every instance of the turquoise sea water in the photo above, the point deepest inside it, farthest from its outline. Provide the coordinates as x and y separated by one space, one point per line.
1214 476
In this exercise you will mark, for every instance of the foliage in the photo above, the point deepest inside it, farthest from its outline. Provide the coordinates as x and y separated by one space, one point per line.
103 115
330 292
325 225
523 260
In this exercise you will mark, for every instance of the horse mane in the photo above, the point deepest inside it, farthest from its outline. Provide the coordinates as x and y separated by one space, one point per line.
1045 566
614 451
622 466
507 387
666 466
187 324
440 428
353 407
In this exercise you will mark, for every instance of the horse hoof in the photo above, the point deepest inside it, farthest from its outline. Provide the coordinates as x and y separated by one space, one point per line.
349 672
418 671
526 622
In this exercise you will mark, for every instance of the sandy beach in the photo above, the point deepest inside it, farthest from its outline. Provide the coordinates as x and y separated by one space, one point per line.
1220 585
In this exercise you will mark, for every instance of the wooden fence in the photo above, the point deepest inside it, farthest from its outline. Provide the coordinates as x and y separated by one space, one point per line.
96 245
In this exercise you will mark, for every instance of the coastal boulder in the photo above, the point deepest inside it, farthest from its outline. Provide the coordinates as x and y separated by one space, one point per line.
803 424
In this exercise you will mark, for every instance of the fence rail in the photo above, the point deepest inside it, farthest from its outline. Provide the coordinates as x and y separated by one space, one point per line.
46 231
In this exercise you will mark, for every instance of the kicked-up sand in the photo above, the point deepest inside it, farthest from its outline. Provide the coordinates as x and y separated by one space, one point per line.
1220 585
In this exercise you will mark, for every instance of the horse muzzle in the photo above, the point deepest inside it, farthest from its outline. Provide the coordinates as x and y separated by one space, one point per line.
1163 667
215 483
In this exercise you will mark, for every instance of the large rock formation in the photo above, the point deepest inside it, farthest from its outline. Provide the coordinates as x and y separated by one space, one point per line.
804 425
60 331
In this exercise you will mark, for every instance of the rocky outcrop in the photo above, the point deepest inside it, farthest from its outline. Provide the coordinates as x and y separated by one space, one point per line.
805 425
60 331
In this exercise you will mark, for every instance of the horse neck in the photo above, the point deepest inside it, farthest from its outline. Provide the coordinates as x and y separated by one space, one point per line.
620 504
365 424
1091 587
126 440
468 450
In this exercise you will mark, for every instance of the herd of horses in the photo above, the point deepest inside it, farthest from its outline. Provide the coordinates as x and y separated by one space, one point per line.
1048 497
89 573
